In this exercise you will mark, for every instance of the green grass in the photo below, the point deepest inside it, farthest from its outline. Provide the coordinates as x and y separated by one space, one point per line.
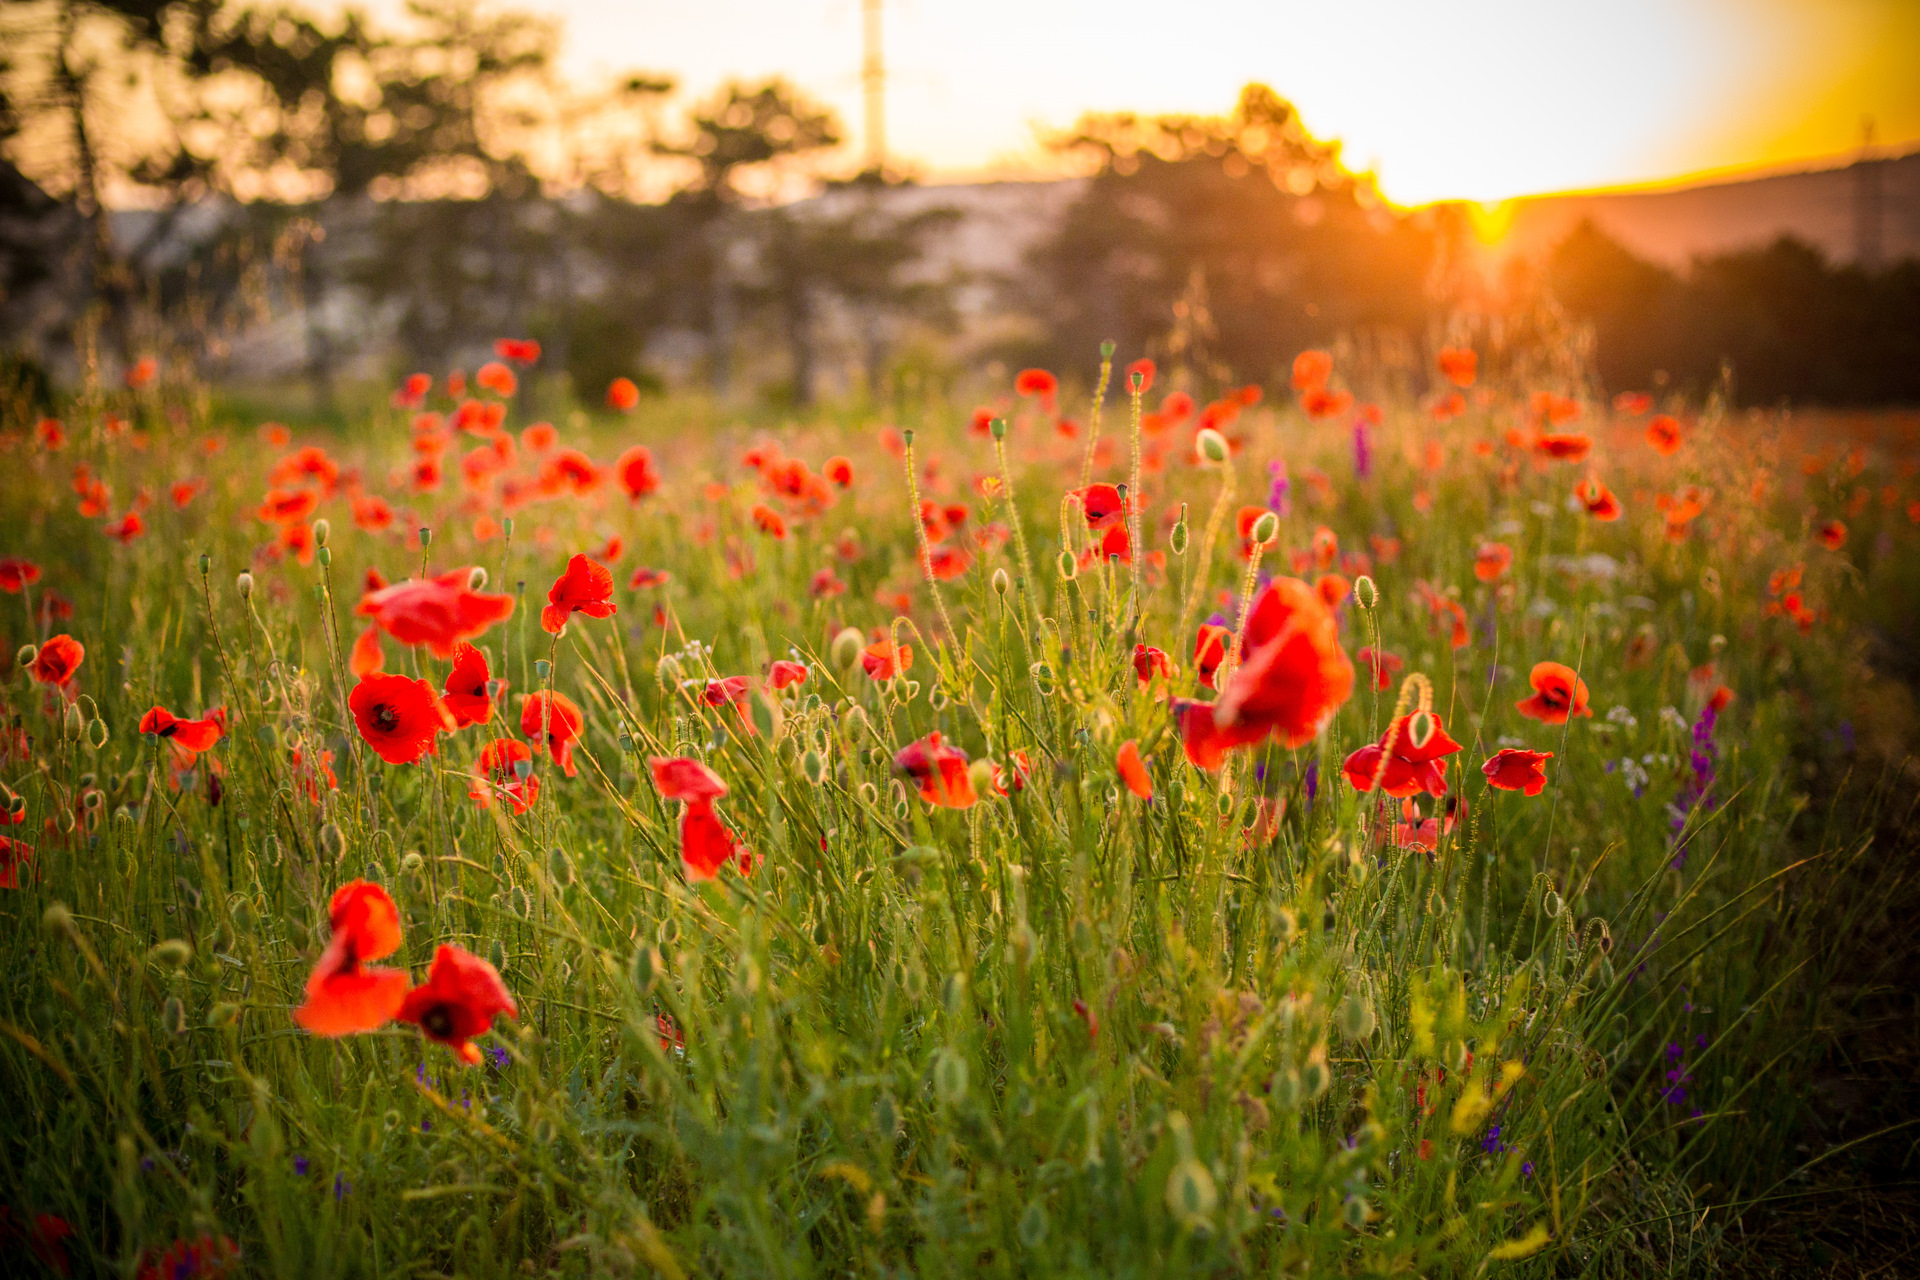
1305 1035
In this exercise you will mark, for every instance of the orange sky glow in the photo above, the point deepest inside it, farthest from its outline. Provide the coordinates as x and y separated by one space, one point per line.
1478 99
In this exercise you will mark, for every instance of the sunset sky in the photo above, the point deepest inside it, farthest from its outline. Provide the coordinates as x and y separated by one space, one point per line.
1478 99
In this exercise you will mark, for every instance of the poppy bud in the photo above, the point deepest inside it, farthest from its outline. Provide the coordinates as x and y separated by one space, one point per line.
1042 678
171 954
1266 528
322 531
1356 1016
1068 570
223 1015
814 767
173 1016
325 556
506 525
1315 1075
27 653
980 774
57 920
649 966
667 671
523 769
900 810
1365 593
426 536
89 709
1106 349
244 585
1224 803
71 724
765 713
950 1077
1001 582
477 579
854 723
869 794
332 842
847 646
497 955
1211 445
1355 1212
999 428
97 734
1178 538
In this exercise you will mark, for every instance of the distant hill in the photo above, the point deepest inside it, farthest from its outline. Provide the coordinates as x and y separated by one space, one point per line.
1673 225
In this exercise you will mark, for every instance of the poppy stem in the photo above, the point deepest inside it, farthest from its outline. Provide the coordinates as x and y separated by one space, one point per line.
1093 423
1212 535
1013 508
926 548
1133 507
1246 607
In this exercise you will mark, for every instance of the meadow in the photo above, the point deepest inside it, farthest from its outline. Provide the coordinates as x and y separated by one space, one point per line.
1095 822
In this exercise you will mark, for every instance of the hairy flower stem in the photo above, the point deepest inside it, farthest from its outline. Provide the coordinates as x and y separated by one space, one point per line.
1013 509
1133 509
1093 423
1232 663
1214 519
926 548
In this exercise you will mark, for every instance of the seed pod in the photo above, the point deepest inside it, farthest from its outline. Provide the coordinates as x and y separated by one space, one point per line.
1365 593
206 564
543 668
426 536
412 862
999 428
1266 528
477 579
1107 349
1211 446
322 531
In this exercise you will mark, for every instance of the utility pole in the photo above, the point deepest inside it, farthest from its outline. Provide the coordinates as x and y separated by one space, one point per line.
1867 172
873 78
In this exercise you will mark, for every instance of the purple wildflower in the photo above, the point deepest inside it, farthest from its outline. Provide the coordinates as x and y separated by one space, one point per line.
1362 450
1278 500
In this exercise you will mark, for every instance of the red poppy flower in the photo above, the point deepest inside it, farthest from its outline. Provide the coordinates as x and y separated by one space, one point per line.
465 693
686 779
1311 369
366 657
14 857
838 470
947 563
499 773
458 1000
57 661
1102 505
1332 588
398 716
1133 770
51 433
1035 382
706 844
1557 694
718 693
585 587
940 770
518 350
1598 500
16 575
1663 433
825 584
1409 769
1492 560
1632 403
437 612
1014 777
1513 769
784 673
1459 365
769 521
194 735
622 394
282 506
1385 666
1322 403
563 726
882 660
1204 744
343 994
645 577
372 513
1294 674
1209 651
1832 535
1149 662
1570 447
208 1258
635 469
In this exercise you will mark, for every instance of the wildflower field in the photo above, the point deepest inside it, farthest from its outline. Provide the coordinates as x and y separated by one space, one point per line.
1438 821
